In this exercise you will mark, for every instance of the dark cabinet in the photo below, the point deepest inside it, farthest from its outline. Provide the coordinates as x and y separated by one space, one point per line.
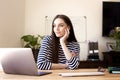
91 64
111 58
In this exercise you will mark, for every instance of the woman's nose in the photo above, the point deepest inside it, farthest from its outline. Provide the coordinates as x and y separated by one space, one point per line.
56 28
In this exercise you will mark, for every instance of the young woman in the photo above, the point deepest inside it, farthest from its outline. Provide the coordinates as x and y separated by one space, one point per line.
61 49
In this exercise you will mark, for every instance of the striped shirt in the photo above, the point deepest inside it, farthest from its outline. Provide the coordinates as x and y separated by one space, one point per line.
45 55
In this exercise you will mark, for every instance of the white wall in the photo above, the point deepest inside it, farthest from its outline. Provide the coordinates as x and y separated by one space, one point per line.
18 17
12 18
36 10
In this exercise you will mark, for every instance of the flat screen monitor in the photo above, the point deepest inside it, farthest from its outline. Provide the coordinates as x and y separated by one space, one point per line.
110 17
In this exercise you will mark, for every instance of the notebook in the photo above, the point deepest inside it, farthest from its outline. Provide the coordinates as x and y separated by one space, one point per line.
69 74
114 70
19 61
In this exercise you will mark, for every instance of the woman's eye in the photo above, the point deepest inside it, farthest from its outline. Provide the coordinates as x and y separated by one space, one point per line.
61 25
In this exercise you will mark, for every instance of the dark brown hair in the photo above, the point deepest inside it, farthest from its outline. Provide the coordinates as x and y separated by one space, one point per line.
55 40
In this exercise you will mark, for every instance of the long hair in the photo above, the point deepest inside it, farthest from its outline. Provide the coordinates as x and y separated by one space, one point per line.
55 40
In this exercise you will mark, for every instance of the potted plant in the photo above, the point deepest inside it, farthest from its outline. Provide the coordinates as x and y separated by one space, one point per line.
33 42
115 33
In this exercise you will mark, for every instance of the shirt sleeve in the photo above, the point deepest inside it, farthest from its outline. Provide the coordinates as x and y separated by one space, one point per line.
43 60
73 63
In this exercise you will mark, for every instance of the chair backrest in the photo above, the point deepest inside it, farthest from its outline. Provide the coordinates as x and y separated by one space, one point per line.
93 47
93 51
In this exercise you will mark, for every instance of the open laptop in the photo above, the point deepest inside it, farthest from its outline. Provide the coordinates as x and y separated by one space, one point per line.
19 61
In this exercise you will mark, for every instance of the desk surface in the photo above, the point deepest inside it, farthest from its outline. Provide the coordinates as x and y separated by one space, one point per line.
55 76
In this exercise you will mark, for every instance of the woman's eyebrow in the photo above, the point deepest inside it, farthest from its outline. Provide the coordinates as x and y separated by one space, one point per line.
61 23
58 24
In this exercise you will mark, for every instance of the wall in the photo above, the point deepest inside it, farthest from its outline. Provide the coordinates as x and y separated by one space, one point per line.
12 23
36 10
18 17
12 19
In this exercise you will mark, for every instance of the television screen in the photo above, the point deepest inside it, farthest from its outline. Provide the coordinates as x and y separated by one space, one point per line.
111 17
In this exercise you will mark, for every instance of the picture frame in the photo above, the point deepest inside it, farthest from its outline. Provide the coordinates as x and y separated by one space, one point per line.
110 46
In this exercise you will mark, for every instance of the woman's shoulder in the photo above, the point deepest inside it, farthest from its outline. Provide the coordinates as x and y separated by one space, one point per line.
47 37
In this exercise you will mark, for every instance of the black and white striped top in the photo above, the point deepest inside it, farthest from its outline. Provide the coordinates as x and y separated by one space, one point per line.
45 55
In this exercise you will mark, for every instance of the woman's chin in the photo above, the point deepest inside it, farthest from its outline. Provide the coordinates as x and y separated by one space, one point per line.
58 36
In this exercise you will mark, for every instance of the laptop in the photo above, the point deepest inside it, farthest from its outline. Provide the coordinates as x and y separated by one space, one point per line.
19 61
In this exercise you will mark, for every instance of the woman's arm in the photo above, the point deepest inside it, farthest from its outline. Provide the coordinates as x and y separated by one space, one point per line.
44 60
59 66
63 41
66 51
72 57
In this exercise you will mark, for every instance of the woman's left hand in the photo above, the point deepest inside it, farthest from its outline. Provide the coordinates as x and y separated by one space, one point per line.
74 54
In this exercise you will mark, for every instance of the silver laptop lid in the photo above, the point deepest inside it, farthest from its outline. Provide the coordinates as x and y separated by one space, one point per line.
18 61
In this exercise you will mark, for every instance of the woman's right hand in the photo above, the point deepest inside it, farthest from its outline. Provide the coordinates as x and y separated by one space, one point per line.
66 35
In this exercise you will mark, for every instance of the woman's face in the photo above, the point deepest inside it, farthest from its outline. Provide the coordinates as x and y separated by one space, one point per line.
59 27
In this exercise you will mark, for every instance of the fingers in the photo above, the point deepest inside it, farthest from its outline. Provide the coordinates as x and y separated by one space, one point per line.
67 32
66 35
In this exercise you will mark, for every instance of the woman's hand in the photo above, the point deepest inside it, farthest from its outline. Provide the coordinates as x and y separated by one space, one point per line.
66 35
74 54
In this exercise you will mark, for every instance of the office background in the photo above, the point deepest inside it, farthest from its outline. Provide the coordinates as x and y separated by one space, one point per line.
20 17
